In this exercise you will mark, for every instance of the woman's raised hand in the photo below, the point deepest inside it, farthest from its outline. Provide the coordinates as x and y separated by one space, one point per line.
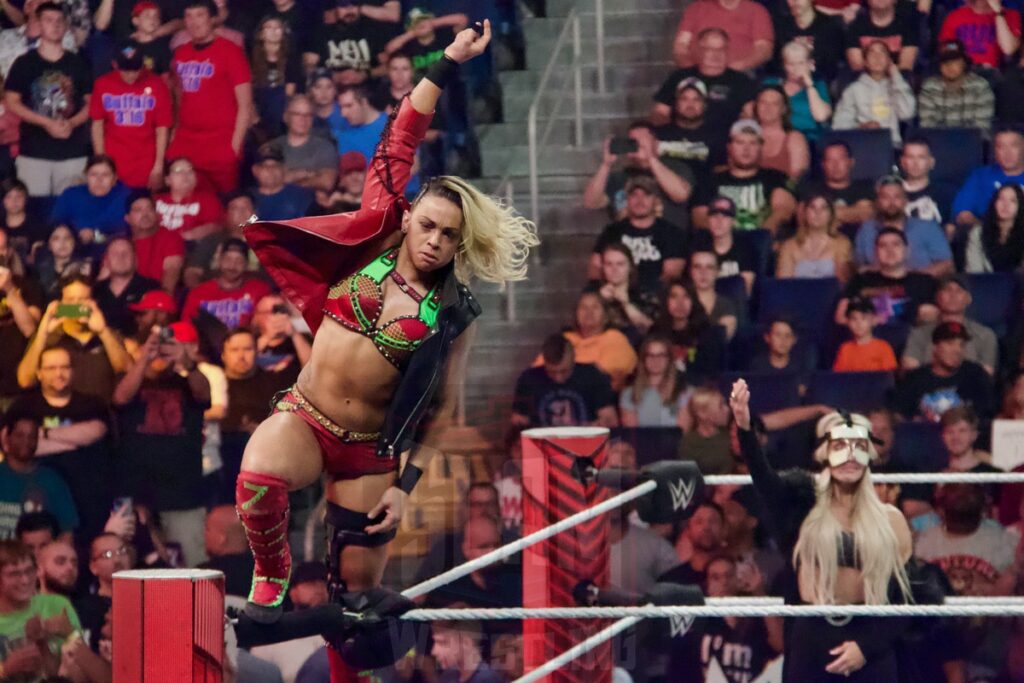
739 401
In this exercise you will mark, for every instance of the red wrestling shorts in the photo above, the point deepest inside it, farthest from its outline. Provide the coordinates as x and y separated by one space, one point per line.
346 454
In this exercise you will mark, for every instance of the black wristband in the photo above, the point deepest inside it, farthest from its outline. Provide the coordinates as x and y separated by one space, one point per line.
443 71
410 475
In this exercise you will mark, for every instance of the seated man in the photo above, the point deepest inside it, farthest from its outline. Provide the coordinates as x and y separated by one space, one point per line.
955 97
562 392
231 296
952 299
928 251
691 135
927 199
734 257
748 26
853 199
457 650
275 198
1007 166
309 160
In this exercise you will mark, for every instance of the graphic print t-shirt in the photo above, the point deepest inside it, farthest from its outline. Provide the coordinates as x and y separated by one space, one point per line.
649 246
55 90
752 196
575 402
342 46
207 77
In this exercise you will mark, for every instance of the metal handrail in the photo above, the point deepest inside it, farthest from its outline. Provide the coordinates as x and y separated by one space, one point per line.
571 21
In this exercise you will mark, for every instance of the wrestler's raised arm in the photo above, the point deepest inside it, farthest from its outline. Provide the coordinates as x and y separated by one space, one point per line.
391 166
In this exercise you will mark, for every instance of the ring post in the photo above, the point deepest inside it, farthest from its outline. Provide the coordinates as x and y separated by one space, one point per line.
552 568
168 626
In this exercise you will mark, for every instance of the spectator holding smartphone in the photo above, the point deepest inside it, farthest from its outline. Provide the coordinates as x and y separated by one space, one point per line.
279 346
76 323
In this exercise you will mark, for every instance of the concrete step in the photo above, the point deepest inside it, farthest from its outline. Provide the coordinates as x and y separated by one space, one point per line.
562 186
553 159
561 8
628 50
623 104
617 77
644 23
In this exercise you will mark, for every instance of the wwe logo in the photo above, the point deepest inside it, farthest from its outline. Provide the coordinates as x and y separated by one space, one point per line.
679 625
682 493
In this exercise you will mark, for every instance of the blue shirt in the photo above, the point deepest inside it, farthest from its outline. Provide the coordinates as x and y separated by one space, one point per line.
800 109
291 201
40 489
926 243
359 138
977 191
78 209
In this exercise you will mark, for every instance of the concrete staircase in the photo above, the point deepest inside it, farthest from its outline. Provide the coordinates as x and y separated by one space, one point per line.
638 35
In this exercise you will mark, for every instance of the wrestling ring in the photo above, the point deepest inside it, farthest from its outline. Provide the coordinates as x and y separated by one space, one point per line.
176 617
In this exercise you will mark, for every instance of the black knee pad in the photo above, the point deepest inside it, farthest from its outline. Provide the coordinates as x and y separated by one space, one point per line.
348 528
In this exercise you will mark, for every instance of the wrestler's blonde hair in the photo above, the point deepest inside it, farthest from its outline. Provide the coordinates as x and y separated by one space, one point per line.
876 546
496 239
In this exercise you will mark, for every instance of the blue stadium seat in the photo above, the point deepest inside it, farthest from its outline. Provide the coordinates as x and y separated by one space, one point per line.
733 287
918 447
759 241
957 152
809 302
651 443
993 300
896 334
872 149
768 391
855 391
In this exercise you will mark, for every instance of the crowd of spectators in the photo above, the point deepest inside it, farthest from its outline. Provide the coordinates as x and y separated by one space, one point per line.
781 215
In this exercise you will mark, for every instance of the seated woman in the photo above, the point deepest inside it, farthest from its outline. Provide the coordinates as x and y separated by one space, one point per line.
721 310
658 394
60 258
595 341
698 347
785 149
809 106
997 243
818 250
628 309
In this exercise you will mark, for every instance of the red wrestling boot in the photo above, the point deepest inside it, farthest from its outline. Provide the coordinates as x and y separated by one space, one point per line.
341 672
262 505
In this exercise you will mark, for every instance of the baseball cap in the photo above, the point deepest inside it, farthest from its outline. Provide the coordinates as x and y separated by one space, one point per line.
154 300
351 161
950 330
860 304
269 152
747 126
142 6
888 179
693 83
642 182
722 205
950 50
416 15
958 278
129 57
185 332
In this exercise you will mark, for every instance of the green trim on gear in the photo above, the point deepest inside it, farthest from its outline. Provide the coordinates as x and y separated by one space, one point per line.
259 492
270 579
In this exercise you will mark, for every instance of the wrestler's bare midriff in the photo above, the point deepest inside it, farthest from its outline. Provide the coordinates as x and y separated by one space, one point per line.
347 378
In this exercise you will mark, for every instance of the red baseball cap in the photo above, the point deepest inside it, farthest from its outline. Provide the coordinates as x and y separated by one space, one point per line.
184 332
351 161
154 300
142 6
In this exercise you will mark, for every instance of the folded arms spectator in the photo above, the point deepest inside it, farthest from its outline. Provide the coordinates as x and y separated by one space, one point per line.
748 26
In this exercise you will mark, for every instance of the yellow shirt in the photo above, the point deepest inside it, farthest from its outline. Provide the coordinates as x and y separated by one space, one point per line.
610 351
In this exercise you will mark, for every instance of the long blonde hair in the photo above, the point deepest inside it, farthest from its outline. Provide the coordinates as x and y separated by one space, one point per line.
877 548
496 239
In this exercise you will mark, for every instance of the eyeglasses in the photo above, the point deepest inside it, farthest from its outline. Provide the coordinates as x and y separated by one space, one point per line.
111 554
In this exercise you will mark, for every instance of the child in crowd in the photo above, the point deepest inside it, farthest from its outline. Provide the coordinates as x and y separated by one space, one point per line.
777 358
863 353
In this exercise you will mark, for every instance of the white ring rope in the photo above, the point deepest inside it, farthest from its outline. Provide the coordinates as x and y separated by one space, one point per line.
514 547
578 650
898 478
977 607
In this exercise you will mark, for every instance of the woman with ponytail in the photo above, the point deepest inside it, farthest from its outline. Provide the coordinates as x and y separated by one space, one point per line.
384 290
845 545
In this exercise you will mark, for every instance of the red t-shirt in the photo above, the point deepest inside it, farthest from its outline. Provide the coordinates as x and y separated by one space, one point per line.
151 251
199 208
207 78
978 33
232 307
131 113
748 23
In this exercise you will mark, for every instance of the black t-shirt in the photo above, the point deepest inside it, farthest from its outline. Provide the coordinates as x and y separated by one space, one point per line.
12 341
250 397
922 393
342 46
94 375
575 402
752 196
902 31
675 213
727 93
742 651
857 190
92 612
894 298
702 148
161 448
55 90
31 231
237 571
738 259
1010 96
121 16
824 35
156 54
86 469
650 248
115 307
423 56
698 355
932 203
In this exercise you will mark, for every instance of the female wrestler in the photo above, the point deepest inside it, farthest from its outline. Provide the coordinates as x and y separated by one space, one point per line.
847 547
382 289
